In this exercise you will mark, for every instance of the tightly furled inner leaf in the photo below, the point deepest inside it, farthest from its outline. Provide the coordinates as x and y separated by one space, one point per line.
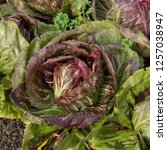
76 76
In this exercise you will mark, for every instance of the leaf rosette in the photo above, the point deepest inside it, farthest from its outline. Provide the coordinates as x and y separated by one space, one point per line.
73 75
70 80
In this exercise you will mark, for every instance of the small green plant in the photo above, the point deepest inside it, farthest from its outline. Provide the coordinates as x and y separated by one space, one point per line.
63 22
126 43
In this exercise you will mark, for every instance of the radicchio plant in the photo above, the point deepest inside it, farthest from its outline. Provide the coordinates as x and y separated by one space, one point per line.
73 75
72 80
134 14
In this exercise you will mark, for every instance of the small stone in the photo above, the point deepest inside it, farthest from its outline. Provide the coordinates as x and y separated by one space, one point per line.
15 133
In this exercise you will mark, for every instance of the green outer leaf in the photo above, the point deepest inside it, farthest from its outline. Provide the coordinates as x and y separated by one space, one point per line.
125 98
107 118
139 82
103 32
78 7
49 112
11 44
2 93
125 62
44 27
141 119
73 141
143 43
5 84
6 10
108 138
9 110
34 134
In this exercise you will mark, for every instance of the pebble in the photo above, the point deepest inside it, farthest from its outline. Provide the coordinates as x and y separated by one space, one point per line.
11 133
